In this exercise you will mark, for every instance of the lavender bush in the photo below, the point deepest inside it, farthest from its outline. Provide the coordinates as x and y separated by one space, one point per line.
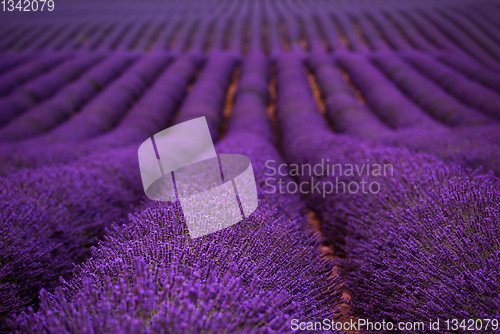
434 259
165 300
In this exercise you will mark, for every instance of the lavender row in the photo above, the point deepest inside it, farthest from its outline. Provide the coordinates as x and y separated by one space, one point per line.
11 80
239 258
371 33
163 299
370 27
234 262
469 92
429 95
103 113
488 44
52 215
416 203
346 25
43 87
67 101
150 114
410 32
153 112
483 19
428 260
437 39
300 124
396 38
463 40
249 113
348 114
207 97
385 99
157 104
8 63
472 70
472 147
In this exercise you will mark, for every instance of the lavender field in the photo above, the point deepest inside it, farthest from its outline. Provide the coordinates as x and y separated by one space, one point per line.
400 98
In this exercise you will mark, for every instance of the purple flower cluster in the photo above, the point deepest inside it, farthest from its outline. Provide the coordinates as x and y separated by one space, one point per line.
188 285
435 259
51 216
170 298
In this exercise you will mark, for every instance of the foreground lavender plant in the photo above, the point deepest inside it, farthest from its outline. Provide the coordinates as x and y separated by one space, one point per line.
437 258
51 216
165 299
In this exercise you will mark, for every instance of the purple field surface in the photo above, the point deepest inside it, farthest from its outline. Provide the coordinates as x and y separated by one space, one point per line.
412 87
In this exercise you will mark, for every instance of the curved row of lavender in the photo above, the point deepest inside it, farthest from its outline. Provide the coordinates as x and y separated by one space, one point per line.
51 122
254 277
422 247
408 109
